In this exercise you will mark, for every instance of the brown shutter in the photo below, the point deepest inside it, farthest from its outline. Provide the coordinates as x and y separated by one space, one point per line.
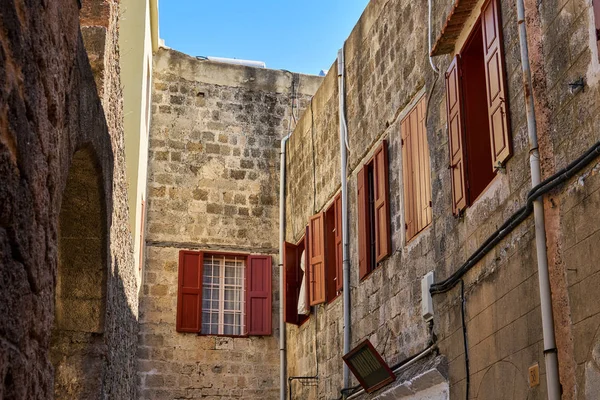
456 138
383 243
363 230
408 178
339 280
292 285
258 295
189 293
495 83
424 167
316 266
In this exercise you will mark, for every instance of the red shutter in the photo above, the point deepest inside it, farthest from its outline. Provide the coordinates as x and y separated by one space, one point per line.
495 83
456 138
189 293
363 215
258 295
339 280
596 5
383 242
292 285
316 265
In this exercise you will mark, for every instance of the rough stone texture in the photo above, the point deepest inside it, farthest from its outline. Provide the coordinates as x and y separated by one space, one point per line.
53 130
386 67
213 185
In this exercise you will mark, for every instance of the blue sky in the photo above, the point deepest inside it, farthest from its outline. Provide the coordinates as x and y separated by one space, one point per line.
297 35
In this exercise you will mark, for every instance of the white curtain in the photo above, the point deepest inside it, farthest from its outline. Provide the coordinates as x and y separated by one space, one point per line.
302 301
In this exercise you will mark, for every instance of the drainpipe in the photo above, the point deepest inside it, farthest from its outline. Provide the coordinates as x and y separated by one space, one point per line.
282 356
435 69
345 252
550 352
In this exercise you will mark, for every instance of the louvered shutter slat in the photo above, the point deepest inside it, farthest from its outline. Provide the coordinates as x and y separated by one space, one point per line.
456 138
495 83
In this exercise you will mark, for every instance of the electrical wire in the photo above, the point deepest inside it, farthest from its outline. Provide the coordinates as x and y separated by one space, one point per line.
464 329
511 223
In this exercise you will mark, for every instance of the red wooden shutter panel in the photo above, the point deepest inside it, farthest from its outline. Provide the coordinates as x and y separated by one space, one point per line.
316 265
424 176
189 293
383 243
363 230
292 286
258 295
339 280
495 83
456 138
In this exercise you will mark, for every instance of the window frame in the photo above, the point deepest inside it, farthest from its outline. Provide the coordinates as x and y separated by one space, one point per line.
489 22
247 317
373 208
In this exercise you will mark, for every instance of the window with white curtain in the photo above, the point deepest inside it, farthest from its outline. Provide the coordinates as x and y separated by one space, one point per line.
223 295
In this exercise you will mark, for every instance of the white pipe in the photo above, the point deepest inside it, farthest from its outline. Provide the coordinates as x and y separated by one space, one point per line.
235 61
282 355
435 69
400 368
343 176
550 352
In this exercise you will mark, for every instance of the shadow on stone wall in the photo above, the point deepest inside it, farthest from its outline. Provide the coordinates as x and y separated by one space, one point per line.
49 109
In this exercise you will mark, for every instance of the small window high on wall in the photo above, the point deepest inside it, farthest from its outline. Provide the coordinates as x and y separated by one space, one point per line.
374 242
224 294
478 123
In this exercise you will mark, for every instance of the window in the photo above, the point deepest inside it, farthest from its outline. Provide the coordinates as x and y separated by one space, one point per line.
292 254
374 243
478 126
224 294
416 171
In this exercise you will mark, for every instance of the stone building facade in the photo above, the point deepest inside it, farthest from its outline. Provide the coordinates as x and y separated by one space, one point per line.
68 295
213 187
387 72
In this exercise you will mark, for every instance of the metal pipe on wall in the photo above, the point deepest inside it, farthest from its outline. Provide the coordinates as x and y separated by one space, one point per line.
435 69
550 352
343 176
282 352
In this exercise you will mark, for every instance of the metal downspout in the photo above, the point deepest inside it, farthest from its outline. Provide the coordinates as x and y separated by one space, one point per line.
282 355
550 352
343 176
435 69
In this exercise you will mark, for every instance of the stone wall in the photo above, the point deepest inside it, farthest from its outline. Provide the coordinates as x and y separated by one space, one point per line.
213 185
386 68
54 131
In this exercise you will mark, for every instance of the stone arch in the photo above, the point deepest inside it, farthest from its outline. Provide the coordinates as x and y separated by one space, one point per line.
78 349
503 380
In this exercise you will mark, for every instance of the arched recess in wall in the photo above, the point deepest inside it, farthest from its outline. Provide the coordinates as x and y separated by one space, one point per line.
78 350
503 380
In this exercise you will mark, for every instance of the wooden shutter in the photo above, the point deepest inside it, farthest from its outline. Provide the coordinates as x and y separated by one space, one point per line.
363 229
292 285
189 293
495 83
339 280
416 171
316 265
383 243
456 136
596 5
258 295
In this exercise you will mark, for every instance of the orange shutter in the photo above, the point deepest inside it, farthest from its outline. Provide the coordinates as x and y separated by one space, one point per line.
383 243
363 230
258 295
189 293
291 282
316 266
339 280
408 178
424 176
495 83
456 138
